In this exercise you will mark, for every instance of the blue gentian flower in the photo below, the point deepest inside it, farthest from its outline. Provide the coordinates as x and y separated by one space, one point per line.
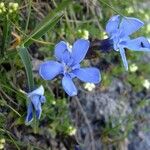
68 65
36 98
119 29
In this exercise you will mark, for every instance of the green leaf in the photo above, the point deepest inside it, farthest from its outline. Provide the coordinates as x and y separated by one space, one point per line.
25 57
48 23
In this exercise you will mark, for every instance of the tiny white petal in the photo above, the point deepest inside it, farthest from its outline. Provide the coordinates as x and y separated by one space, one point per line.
146 84
89 86
133 68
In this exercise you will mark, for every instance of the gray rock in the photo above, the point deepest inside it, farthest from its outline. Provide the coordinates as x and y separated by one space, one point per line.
111 107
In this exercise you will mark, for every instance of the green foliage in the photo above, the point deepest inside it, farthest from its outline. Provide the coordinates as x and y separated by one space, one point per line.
38 26
59 116
6 34
49 22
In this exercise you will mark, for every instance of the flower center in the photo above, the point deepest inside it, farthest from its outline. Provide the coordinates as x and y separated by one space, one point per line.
67 69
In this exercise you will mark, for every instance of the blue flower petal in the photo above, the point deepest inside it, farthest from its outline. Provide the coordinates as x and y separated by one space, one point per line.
50 69
69 86
29 116
79 50
91 75
66 57
42 99
36 98
113 24
123 57
130 25
36 101
38 91
38 113
138 44
60 48
63 52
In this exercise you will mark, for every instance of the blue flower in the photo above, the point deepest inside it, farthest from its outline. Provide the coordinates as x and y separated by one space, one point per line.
119 29
68 65
36 98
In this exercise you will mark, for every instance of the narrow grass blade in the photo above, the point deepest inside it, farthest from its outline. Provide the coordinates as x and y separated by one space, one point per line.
25 57
48 22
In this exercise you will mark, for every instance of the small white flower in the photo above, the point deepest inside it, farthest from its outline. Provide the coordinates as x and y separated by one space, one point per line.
2 5
84 34
146 84
133 68
72 130
147 17
1 146
89 86
10 4
2 140
2 8
10 11
13 7
104 35
130 10
148 27
54 102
